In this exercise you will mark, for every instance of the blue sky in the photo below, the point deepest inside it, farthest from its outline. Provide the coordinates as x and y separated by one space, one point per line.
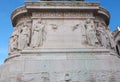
8 6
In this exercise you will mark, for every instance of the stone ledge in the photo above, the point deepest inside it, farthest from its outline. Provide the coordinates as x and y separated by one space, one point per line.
61 53
18 11
63 50
61 5
104 12
11 57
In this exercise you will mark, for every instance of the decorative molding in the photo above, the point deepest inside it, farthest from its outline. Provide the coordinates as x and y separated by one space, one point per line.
62 15
61 4
65 50
18 11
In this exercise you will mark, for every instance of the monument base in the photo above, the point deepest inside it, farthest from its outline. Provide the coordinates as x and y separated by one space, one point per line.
62 65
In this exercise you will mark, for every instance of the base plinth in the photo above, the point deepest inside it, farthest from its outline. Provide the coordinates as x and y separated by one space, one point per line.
62 65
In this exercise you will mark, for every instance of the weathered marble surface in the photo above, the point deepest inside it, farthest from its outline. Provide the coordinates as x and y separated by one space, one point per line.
74 65
61 42
67 33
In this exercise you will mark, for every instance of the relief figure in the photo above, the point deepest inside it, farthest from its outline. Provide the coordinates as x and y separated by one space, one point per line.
82 31
90 33
13 43
111 40
38 34
105 37
24 37
101 35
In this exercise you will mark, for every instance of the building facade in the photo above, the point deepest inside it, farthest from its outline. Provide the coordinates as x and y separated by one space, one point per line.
116 35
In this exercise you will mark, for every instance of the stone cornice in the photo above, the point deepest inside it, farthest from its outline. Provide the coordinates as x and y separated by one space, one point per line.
18 11
104 11
62 3
10 57
105 14
65 50
59 6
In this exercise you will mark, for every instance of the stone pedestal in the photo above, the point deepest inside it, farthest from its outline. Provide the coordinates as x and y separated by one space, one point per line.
61 42
86 65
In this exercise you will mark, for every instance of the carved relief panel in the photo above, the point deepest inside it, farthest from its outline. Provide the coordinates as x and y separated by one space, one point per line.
24 37
104 36
13 43
64 30
91 33
38 33
77 76
20 38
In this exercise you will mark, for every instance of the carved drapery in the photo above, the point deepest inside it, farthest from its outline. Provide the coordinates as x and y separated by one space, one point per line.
24 37
104 36
20 38
27 34
83 22
38 33
91 33
33 34
13 43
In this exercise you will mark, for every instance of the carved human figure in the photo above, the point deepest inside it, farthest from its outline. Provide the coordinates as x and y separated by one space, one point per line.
101 35
82 31
104 36
111 39
38 34
90 33
24 37
13 44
